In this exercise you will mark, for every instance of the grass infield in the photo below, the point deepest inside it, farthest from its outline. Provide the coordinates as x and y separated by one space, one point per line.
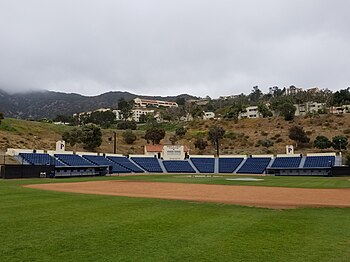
51 226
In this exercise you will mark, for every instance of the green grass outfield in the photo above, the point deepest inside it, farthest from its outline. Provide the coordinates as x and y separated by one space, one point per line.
40 225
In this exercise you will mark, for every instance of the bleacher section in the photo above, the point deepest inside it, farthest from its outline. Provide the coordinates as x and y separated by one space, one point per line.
254 165
178 166
89 164
74 160
150 164
102 161
41 159
203 165
285 162
126 163
228 165
319 161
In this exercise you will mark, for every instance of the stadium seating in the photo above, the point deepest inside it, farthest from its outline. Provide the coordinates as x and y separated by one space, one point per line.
41 159
254 165
285 162
126 163
319 161
102 161
150 164
228 165
203 165
74 160
178 166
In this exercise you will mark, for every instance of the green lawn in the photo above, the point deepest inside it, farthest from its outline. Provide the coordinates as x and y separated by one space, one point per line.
40 225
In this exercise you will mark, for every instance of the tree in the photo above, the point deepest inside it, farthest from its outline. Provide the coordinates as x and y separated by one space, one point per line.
173 139
234 111
322 142
266 143
73 137
341 97
255 95
200 143
298 134
264 110
148 118
215 134
143 118
287 110
125 108
181 131
180 101
340 143
154 134
104 119
1 116
124 125
91 136
64 119
129 137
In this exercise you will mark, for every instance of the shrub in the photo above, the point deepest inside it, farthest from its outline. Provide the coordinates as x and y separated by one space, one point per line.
279 140
347 131
124 125
129 137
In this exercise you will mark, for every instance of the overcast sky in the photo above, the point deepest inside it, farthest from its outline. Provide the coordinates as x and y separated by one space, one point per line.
169 47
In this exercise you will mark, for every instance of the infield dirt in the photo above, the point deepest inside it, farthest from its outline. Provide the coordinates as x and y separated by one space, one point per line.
270 197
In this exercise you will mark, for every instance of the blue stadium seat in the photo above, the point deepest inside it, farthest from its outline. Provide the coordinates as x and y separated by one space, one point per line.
203 165
126 163
319 161
285 162
254 165
41 159
74 160
150 164
102 161
178 166
228 165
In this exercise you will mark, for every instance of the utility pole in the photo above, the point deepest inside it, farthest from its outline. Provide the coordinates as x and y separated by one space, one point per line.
115 142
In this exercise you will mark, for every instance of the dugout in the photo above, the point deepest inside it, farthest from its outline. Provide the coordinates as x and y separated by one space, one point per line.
341 171
50 171
27 171
71 171
314 171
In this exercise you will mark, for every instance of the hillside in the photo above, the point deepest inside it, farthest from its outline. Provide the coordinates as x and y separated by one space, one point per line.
48 104
241 137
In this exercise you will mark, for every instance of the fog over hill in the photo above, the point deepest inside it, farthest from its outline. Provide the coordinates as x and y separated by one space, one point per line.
48 104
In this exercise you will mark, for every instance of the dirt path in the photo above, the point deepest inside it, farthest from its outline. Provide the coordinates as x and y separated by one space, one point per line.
271 197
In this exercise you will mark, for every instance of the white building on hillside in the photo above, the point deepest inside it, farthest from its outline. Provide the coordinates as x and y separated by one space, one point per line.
292 90
251 112
339 109
140 102
137 113
208 115
308 107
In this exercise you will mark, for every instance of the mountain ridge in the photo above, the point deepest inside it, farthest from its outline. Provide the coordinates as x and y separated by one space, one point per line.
48 104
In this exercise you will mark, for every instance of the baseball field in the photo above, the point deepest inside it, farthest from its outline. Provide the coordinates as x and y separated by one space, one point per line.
49 225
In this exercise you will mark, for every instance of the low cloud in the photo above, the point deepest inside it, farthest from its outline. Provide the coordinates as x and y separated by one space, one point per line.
201 47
